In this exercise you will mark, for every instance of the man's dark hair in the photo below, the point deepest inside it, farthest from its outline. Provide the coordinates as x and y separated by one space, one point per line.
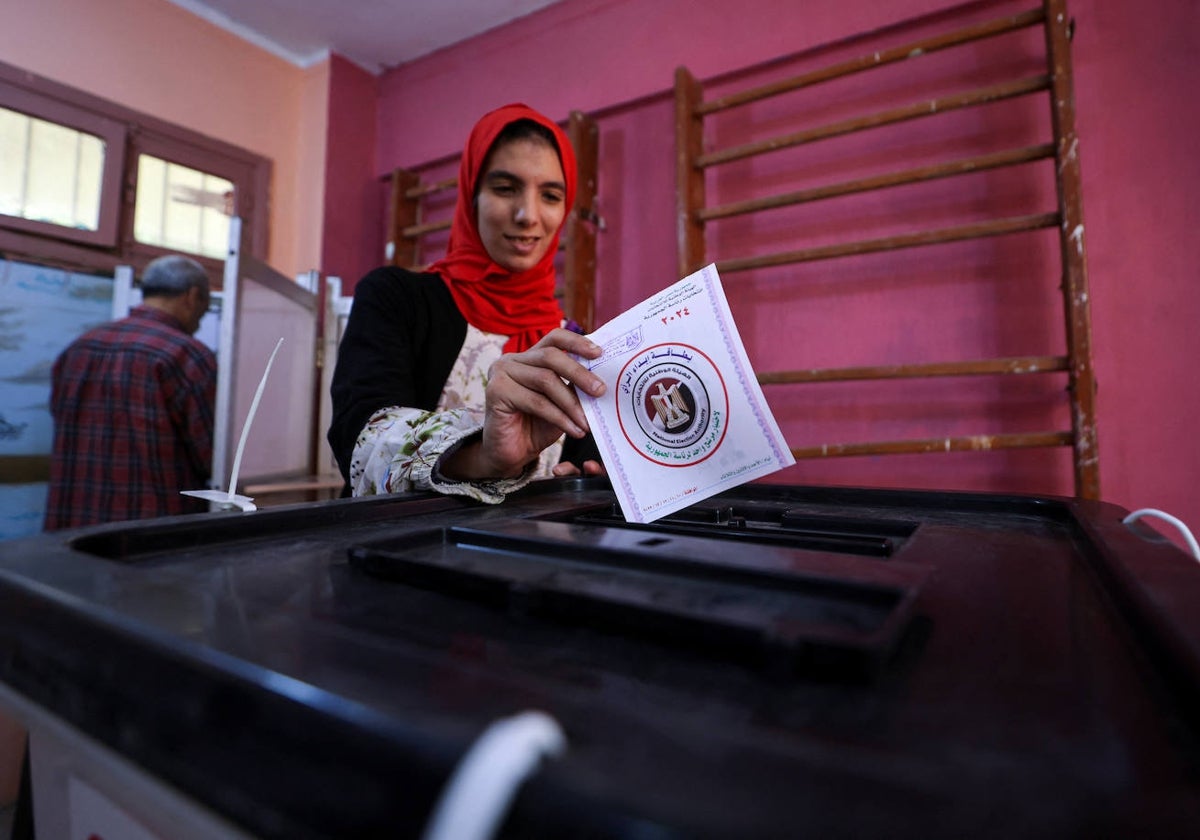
172 275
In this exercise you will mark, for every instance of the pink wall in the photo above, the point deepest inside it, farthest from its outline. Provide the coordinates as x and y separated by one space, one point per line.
351 241
154 57
593 54
1134 84
1137 79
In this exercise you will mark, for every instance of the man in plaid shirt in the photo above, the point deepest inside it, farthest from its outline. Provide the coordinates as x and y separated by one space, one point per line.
133 407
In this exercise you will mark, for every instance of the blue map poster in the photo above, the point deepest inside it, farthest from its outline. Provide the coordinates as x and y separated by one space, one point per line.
41 311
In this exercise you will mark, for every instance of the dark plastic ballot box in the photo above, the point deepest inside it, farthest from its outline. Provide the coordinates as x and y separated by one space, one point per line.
777 661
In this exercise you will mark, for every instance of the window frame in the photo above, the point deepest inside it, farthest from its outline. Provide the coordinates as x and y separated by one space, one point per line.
207 155
111 131
139 133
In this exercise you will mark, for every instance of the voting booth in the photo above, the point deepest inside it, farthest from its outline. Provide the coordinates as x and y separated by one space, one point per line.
285 457
255 308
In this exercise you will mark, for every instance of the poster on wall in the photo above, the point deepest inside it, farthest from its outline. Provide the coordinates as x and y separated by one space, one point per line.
43 310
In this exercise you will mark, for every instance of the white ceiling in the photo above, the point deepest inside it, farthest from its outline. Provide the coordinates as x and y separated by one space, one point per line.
375 34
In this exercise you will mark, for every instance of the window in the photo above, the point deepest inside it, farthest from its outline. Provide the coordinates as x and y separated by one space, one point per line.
51 172
89 183
182 209
185 194
62 168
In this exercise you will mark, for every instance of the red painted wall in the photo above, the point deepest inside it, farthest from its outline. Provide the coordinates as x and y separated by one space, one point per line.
1137 111
1135 84
351 240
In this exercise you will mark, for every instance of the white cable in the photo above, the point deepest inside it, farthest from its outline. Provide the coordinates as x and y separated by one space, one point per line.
1166 517
228 499
262 384
476 798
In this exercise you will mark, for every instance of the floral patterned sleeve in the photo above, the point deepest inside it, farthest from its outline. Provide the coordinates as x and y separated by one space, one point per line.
399 449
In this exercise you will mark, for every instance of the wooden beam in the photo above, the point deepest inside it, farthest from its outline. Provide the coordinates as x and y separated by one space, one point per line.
905 52
977 230
967 443
1014 365
1071 244
689 177
954 102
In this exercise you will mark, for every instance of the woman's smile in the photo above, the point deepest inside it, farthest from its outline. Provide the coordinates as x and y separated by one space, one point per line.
524 244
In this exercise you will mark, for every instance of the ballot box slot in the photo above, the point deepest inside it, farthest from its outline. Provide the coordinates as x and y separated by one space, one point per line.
764 523
777 614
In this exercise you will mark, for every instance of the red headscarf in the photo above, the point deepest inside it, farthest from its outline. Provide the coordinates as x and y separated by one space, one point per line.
521 304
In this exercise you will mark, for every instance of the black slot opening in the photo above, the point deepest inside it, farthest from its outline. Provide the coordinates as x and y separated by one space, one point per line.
785 621
762 523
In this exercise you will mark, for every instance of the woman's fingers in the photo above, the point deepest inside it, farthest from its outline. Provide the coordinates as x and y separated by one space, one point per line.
594 468
552 403
554 352
533 382
571 342
566 468
540 392
530 401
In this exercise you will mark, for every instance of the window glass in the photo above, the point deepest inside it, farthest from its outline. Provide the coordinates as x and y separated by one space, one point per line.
51 173
182 209
68 165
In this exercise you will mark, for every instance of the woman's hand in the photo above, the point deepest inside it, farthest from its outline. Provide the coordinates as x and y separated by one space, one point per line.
528 405
566 468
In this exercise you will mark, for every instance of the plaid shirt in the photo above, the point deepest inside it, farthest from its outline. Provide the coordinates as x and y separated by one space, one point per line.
133 422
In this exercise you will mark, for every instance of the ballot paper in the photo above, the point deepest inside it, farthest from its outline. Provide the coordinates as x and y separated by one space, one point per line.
683 417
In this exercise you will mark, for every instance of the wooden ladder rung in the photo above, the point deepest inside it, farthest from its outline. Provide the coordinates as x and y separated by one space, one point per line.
966 443
976 230
976 367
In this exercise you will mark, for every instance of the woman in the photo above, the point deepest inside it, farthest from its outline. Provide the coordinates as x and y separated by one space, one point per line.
460 379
